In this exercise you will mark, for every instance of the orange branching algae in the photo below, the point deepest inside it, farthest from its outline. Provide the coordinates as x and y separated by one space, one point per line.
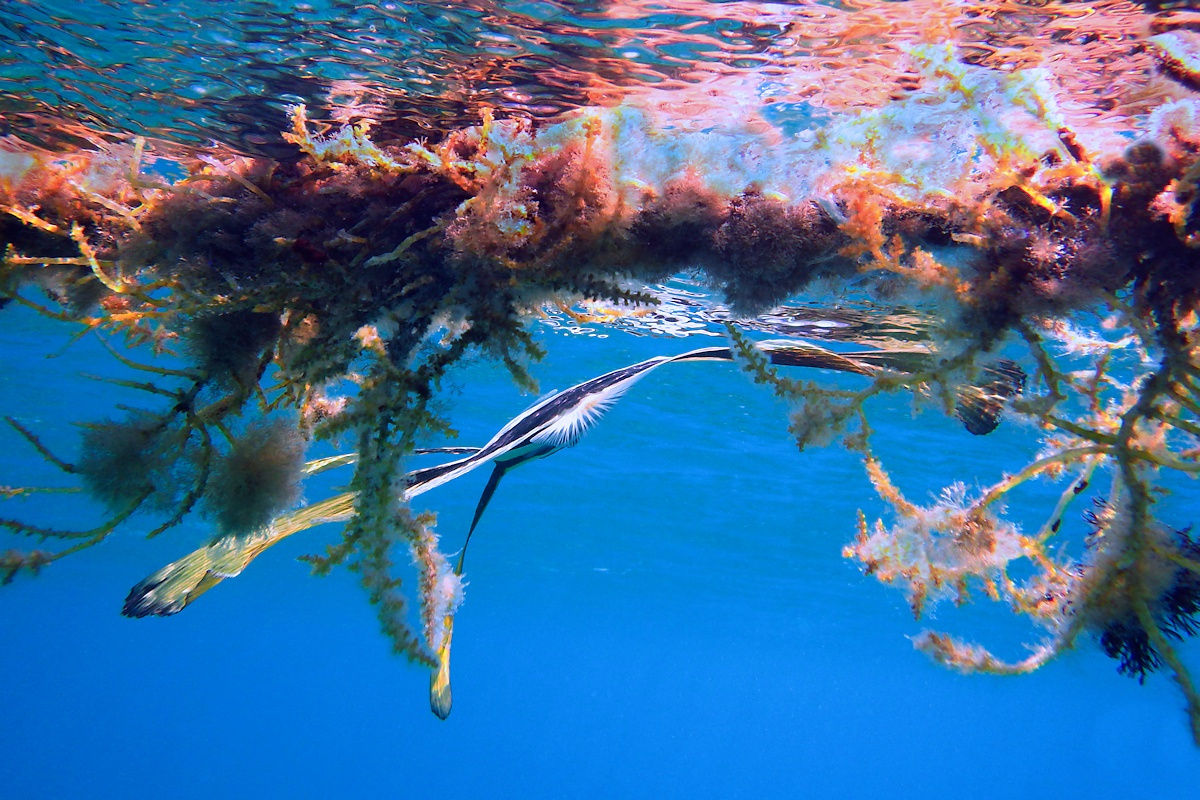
1000 196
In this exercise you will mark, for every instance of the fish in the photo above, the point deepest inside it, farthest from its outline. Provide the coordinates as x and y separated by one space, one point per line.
555 422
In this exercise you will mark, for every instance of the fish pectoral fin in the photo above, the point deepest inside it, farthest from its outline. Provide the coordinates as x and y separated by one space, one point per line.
440 699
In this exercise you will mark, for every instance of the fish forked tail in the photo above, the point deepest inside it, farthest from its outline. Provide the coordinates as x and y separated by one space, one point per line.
175 586
178 584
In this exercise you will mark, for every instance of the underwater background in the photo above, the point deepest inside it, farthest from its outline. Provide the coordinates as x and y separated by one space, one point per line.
663 610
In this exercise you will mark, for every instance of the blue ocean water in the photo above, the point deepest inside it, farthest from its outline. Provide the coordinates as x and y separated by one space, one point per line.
661 611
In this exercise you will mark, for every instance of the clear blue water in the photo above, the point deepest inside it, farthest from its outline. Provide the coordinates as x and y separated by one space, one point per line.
661 611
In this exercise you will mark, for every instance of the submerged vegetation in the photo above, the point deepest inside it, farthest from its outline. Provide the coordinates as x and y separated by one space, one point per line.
327 295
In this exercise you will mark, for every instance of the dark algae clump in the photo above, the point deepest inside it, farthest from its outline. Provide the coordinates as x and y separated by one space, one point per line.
257 479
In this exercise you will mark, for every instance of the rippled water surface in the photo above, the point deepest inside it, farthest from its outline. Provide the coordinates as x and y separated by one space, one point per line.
195 70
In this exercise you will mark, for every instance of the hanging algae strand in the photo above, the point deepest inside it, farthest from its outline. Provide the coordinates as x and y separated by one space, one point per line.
389 264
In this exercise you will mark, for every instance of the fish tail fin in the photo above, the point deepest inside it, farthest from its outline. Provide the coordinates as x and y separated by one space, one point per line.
178 584
172 588
981 406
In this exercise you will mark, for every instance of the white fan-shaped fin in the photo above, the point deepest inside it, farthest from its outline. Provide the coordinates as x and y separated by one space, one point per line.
568 427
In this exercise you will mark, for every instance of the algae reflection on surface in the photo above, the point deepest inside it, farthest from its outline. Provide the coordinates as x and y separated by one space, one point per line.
328 296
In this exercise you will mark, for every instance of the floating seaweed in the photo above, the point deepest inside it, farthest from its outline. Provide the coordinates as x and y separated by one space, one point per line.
342 284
